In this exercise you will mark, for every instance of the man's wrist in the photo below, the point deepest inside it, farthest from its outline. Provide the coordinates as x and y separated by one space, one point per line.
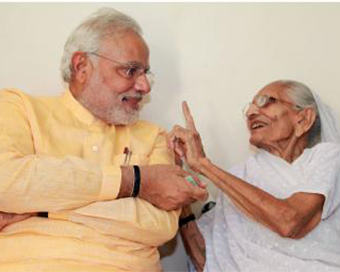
126 185
144 186
137 181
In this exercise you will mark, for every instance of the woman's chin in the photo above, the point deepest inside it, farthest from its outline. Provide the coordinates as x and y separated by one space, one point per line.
253 140
256 142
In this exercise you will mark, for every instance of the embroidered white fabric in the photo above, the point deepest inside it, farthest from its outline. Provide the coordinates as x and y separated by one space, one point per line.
236 243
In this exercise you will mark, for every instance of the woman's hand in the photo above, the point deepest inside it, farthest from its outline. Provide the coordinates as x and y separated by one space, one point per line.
186 142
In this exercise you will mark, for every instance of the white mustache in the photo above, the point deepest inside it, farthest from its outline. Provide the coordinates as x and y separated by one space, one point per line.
138 96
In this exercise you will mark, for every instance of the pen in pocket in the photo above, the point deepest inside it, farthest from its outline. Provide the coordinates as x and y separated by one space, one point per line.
128 155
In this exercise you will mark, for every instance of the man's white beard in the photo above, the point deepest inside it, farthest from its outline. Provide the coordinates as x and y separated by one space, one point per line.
114 113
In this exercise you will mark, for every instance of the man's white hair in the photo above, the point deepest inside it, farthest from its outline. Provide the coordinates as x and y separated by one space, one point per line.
106 22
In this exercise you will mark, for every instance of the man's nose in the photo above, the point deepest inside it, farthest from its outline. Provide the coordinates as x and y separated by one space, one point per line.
143 83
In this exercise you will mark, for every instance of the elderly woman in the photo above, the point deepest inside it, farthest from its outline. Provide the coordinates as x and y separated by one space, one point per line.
280 209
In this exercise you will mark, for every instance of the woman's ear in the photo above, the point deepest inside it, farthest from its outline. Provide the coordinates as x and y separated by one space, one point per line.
305 121
80 67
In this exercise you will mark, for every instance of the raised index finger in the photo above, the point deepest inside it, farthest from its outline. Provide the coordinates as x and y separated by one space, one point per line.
189 120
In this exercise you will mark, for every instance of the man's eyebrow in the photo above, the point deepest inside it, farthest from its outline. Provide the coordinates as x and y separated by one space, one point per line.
136 64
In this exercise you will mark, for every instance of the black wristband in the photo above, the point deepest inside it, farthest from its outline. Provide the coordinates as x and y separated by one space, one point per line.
185 220
43 214
136 185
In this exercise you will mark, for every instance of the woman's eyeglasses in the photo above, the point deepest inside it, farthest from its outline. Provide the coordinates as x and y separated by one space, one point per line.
263 100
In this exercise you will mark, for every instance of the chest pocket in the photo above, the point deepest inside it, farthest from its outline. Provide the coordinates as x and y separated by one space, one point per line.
123 159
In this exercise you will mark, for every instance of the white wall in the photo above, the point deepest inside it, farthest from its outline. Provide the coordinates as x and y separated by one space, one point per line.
215 56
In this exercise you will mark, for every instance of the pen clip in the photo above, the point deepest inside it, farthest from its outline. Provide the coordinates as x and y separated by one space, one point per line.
128 155
126 152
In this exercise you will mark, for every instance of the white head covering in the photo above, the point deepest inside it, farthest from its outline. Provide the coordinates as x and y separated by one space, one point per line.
330 124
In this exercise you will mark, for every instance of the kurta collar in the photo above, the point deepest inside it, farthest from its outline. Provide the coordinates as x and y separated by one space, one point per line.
78 109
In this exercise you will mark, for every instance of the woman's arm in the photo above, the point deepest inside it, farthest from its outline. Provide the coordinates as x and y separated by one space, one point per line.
293 217
193 240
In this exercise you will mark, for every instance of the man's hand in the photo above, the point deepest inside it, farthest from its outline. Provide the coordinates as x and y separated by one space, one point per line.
165 187
10 218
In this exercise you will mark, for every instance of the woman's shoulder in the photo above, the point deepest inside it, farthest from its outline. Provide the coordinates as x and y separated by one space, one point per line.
324 150
326 146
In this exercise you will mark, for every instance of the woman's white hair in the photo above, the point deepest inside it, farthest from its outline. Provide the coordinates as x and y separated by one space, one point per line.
303 98
106 22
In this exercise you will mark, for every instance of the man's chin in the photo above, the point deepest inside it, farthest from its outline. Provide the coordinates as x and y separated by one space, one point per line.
124 121
131 105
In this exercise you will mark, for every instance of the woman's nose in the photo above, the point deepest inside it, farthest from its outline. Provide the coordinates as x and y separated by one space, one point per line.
252 109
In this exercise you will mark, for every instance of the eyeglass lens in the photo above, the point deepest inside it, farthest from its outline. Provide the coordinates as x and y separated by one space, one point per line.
259 100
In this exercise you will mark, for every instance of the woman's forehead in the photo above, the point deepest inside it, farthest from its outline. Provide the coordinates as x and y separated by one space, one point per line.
275 90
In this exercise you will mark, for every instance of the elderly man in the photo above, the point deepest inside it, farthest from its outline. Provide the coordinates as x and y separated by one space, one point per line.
103 180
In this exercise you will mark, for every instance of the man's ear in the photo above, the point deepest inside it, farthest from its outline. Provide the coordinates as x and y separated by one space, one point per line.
305 121
81 67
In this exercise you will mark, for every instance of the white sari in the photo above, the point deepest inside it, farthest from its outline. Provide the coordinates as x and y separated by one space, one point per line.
236 243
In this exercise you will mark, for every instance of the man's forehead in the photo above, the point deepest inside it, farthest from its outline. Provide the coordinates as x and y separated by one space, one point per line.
128 47
124 40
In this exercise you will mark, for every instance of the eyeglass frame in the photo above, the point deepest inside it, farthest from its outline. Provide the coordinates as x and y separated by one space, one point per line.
139 67
268 100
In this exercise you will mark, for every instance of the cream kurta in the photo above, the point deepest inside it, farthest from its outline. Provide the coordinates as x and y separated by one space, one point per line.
56 157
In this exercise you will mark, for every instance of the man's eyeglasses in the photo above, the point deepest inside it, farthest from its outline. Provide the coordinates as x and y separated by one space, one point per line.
263 100
130 71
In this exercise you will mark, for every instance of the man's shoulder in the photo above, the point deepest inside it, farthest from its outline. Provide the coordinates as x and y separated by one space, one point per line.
11 98
12 94
17 94
15 100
